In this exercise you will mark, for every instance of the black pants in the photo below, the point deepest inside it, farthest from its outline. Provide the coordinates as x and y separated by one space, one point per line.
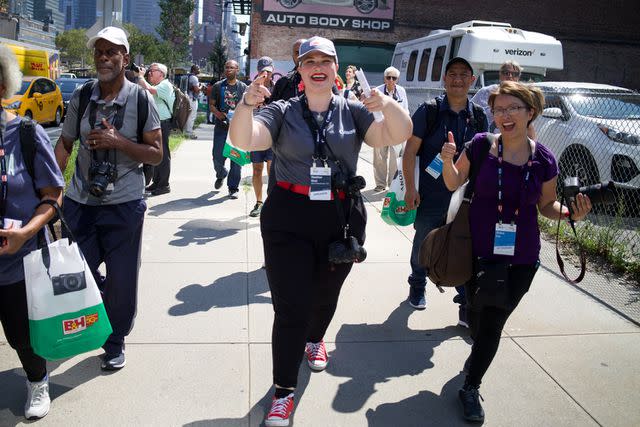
111 234
296 233
486 324
162 171
15 323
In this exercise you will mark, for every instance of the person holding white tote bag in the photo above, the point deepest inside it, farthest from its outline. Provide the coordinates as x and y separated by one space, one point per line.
22 218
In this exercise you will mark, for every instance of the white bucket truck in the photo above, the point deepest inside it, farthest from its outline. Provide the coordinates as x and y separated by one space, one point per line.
486 45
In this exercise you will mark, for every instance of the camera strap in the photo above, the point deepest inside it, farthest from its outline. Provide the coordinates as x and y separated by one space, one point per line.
583 259
320 142
4 185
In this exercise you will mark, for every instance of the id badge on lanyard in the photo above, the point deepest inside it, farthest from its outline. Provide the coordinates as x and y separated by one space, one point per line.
320 188
435 167
504 242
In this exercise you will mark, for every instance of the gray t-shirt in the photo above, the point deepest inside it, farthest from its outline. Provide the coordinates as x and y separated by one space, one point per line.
293 142
191 82
21 197
130 182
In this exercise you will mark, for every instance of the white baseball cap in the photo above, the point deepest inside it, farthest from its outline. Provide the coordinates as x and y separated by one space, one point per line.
114 35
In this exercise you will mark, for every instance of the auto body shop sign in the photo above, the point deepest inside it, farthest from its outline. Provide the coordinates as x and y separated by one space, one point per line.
368 15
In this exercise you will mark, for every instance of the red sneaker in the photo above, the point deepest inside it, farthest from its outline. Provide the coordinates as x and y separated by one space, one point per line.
316 356
281 410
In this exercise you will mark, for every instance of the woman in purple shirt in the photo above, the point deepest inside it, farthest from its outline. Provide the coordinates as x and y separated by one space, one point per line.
21 217
518 179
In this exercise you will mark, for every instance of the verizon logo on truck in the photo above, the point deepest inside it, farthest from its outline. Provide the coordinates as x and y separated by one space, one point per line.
519 52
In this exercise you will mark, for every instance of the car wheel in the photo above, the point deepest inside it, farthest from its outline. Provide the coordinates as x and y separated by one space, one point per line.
365 6
58 118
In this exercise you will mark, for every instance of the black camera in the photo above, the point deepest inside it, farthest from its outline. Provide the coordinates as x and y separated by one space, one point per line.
603 193
71 282
101 174
133 67
346 251
350 185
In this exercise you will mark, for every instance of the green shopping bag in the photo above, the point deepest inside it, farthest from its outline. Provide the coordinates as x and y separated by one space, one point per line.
394 208
394 212
237 155
66 313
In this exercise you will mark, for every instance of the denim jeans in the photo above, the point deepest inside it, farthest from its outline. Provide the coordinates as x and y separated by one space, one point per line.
219 139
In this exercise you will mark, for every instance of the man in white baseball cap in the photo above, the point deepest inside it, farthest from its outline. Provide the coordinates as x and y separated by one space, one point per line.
114 35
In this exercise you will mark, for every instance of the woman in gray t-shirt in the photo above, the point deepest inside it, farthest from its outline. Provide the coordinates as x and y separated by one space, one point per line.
316 138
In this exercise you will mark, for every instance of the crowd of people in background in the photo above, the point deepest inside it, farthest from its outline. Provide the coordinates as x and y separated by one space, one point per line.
308 128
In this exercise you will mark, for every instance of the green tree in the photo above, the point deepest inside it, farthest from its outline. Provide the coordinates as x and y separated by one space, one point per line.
4 5
73 47
147 45
175 27
218 57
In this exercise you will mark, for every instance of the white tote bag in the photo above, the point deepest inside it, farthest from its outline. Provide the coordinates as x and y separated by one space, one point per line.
66 313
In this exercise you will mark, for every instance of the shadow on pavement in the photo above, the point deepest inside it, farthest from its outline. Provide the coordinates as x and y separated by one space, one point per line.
425 409
374 196
203 231
223 292
374 361
14 391
186 204
257 413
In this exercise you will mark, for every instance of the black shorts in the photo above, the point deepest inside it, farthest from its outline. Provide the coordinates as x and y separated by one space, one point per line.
261 156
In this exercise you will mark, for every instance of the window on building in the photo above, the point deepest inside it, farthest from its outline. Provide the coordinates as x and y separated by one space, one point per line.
424 65
411 68
438 62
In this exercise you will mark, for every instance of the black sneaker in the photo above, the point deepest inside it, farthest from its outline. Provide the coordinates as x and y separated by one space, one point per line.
256 210
151 188
161 190
113 362
417 299
470 398
233 194
218 183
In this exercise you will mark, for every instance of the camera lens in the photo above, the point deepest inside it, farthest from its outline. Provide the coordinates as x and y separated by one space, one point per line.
72 283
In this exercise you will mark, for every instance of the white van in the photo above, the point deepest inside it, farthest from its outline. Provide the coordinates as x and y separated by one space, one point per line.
486 45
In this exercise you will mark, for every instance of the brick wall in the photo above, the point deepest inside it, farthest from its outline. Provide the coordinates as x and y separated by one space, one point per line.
601 43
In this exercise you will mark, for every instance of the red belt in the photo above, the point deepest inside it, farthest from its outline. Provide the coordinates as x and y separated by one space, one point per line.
304 189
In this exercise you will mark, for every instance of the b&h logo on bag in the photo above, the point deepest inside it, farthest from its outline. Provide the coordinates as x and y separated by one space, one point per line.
73 326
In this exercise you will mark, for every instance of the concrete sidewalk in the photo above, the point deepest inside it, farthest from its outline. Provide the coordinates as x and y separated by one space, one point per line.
200 351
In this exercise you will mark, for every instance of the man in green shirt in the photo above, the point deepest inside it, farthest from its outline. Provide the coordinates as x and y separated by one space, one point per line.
163 95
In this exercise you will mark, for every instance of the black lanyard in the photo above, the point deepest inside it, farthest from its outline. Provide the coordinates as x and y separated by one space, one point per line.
318 132
500 175
394 95
4 185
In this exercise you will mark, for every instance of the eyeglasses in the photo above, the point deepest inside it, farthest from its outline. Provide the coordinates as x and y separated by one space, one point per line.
153 71
513 109
510 73
391 77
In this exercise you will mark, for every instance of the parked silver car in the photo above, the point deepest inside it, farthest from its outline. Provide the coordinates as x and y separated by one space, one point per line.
594 132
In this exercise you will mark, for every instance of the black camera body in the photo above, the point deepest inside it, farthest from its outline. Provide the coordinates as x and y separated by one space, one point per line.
350 185
101 174
71 282
346 251
603 193
135 68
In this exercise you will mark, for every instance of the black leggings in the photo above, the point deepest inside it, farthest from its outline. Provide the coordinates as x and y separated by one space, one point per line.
487 323
296 233
15 323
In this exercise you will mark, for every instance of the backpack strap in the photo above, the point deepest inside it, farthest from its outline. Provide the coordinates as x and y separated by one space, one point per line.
432 111
85 97
28 147
478 118
143 113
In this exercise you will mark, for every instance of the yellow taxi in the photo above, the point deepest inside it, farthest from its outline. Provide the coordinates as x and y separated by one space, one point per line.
39 98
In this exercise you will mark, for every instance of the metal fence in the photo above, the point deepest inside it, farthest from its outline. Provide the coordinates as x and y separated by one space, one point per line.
594 132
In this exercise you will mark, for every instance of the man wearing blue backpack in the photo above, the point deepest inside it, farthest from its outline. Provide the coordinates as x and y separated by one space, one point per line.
451 112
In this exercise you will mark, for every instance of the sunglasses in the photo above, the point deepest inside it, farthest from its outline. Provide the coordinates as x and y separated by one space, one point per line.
510 73
391 77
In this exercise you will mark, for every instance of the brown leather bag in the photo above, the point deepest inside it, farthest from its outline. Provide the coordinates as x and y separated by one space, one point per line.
446 252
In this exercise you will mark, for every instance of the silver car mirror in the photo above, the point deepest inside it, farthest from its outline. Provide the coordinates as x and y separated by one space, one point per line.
552 113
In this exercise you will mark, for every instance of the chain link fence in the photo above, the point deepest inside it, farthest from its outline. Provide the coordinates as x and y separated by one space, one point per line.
594 132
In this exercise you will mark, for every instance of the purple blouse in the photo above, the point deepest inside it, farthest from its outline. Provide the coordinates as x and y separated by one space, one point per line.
484 207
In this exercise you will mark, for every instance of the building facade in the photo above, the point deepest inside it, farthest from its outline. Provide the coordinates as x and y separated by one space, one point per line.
595 50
